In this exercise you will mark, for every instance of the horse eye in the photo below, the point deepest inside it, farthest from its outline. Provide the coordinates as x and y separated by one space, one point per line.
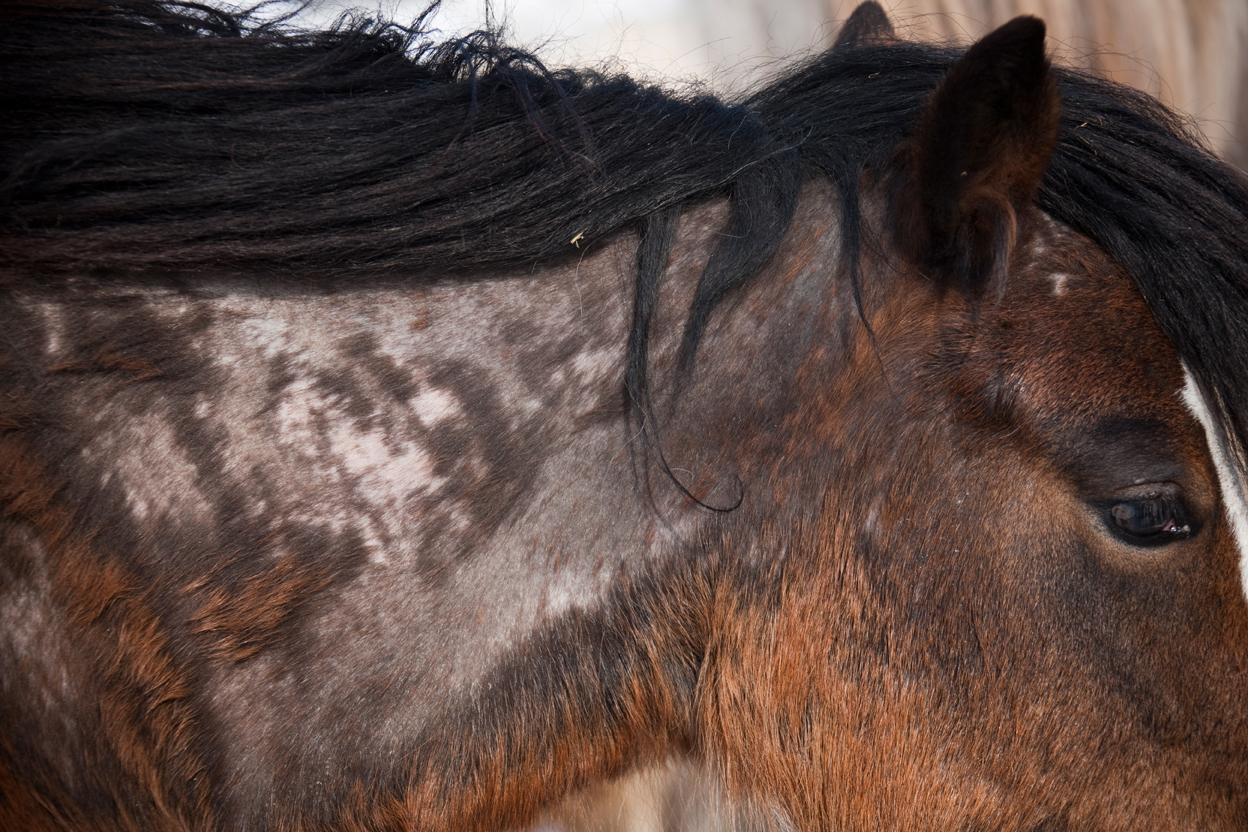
1151 520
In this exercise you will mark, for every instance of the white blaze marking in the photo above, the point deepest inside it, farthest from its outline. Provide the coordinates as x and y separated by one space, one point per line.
1059 282
1232 485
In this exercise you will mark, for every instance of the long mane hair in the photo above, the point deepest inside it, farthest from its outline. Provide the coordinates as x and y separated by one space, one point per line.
172 137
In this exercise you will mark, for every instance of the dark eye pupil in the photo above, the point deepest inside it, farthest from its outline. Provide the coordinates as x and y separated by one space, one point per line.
1149 518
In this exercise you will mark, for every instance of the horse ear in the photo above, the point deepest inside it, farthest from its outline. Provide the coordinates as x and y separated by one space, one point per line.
868 24
978 155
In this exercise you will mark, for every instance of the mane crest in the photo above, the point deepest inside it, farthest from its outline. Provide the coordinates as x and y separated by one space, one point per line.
369 149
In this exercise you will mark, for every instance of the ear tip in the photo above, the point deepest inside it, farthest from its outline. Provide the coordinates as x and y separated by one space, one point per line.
1014 50
872 14
868 23
1028 24
1024 33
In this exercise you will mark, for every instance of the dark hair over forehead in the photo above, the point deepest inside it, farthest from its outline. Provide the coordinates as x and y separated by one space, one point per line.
146 136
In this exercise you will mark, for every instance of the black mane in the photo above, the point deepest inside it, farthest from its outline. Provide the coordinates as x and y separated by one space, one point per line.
149 136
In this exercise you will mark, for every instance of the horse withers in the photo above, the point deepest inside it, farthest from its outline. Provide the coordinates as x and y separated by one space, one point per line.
401 435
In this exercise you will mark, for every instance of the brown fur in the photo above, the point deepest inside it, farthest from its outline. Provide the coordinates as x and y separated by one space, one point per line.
141 740
917 614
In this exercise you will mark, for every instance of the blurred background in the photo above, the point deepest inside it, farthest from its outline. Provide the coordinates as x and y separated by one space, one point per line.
1192 54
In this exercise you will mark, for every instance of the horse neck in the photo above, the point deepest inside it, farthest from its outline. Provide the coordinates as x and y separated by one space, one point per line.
433 471
429 470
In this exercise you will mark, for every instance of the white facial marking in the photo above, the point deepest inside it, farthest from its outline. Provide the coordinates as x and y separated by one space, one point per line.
1230 480
1059 282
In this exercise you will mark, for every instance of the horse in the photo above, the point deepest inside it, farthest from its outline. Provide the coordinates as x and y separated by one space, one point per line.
403 435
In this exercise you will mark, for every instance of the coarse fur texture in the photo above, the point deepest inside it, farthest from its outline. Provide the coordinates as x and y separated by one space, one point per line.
400 435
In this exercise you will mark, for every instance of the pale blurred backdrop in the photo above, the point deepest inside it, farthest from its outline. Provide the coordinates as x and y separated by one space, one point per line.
1189 53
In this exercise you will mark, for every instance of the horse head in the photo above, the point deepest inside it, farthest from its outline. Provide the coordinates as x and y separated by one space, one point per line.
1021 599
